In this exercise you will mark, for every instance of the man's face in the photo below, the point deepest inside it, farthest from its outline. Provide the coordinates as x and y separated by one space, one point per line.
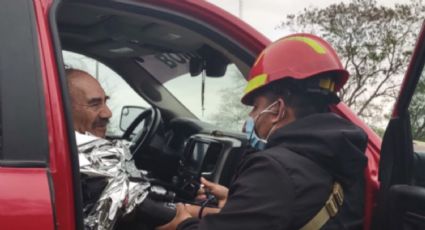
89 110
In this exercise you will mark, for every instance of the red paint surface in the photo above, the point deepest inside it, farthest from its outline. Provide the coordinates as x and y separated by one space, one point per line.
25 199
60 162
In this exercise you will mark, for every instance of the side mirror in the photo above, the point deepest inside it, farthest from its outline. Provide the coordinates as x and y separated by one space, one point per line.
128 114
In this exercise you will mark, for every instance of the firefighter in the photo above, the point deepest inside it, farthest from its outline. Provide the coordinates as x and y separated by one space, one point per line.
307 170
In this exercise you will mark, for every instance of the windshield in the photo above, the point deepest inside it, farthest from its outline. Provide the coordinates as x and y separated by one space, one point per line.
215 100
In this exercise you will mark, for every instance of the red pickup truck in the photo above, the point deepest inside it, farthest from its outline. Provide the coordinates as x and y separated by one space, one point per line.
155 47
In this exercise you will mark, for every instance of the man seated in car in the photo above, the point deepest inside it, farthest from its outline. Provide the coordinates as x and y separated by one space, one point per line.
88 99
91 116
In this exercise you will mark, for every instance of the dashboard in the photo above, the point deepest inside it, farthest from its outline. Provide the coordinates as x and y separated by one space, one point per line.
188 149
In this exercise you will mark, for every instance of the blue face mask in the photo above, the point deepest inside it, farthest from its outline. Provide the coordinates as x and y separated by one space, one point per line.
254 140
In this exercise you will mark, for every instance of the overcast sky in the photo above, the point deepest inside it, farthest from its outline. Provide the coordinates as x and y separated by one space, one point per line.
265 15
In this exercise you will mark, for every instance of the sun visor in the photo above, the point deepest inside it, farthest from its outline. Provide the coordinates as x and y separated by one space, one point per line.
118 50
166 66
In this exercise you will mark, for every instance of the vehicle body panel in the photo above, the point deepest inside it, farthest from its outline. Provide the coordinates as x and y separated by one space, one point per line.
60 157
25 199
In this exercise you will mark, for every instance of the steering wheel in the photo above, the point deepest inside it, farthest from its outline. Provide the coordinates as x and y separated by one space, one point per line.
152 120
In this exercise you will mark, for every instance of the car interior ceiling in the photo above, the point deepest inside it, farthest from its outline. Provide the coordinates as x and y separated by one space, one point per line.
117 38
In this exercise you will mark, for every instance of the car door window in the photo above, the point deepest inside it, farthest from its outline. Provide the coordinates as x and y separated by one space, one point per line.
120 93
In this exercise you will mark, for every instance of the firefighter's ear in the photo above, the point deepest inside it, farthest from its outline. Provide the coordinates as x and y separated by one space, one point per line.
281 111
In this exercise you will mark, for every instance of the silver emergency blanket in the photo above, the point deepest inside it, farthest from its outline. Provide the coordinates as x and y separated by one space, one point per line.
126 185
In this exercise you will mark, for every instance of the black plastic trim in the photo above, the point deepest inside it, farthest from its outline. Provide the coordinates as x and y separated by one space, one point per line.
52 197
23 164
78 200
395 166
407 207
23 118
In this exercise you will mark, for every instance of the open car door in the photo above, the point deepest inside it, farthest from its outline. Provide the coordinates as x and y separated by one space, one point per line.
402 167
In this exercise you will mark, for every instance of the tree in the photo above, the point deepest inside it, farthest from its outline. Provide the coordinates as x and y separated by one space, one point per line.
375 44
231 113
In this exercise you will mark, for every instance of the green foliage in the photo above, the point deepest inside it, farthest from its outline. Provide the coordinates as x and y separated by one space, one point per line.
374 43
417 111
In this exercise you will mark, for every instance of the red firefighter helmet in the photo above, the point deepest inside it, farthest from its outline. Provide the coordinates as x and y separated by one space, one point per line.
297 56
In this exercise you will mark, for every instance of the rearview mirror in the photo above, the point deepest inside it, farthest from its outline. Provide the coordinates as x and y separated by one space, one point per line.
213 62
128 114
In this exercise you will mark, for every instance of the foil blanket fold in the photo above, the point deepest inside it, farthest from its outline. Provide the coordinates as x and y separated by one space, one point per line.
126 186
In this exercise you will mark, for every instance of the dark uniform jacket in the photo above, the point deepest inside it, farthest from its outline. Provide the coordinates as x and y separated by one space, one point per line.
285 185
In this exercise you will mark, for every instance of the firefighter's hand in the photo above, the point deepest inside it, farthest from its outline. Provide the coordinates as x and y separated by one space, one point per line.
219 191
195 209
181 215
